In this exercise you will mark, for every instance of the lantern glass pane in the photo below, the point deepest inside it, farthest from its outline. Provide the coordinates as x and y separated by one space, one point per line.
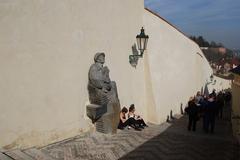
145 44
142 43
138 42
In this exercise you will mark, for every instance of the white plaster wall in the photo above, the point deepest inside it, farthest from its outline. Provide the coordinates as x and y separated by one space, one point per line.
220 84
177 68
46 49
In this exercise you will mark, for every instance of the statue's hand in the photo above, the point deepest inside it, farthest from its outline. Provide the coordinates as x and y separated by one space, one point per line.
105 90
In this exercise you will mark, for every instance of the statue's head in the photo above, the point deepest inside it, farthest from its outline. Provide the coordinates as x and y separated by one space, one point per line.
99 57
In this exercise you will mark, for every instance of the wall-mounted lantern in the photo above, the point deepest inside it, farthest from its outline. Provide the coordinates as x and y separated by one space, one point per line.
142 41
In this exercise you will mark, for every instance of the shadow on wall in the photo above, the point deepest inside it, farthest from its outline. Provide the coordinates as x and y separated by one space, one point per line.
181 108
202 91
133 59
206 90
171 117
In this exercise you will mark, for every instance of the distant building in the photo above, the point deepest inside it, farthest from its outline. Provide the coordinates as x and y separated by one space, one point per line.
219 50
203 48
236 53
222 50
235 62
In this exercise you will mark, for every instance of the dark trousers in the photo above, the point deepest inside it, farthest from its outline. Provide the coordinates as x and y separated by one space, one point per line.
220 112
192 122
204 122
210 123
129 122
141 122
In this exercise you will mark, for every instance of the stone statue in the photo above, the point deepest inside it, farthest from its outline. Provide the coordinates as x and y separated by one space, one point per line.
104 103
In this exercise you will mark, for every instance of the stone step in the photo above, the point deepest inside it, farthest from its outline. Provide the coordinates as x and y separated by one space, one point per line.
37 154
115 145
4 157
19 155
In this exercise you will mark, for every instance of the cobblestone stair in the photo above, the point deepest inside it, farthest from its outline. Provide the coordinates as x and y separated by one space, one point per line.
168 141
99 146
94 146
28 154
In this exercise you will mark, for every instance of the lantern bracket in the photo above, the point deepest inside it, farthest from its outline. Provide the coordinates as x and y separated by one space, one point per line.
142 40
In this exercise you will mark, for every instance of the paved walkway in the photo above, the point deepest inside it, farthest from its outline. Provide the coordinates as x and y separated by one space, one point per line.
176 143
168 141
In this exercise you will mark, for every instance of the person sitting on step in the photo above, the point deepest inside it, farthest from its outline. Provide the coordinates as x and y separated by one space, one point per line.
124 122
131 114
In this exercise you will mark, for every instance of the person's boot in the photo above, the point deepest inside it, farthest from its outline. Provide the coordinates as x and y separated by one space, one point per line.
141 126
137 129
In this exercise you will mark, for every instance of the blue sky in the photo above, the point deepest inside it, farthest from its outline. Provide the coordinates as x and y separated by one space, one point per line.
217 20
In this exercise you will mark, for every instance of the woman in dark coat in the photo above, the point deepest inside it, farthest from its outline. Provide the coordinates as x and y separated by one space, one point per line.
192 111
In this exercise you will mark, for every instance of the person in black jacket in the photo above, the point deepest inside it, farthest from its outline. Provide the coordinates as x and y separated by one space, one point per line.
210 114
192 111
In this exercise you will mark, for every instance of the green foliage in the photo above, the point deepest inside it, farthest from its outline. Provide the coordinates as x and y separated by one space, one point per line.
212 54
204 43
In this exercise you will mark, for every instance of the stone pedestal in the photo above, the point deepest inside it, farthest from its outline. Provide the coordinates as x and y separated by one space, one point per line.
109 121
106 118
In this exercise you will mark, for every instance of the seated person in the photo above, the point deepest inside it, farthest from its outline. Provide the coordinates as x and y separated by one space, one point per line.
139 120
127 122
